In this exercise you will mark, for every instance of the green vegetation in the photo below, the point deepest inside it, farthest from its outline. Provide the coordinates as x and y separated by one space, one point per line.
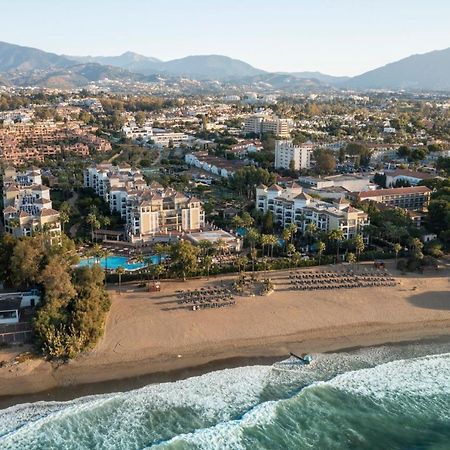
74 304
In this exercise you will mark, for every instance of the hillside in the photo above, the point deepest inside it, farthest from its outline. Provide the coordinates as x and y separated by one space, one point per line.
16 57
428 71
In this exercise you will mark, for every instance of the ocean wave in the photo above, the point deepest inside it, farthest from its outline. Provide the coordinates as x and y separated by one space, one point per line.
246 407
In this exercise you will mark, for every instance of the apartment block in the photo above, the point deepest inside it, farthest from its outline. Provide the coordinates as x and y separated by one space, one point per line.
21 142
27 205
264 123
291 205
288 155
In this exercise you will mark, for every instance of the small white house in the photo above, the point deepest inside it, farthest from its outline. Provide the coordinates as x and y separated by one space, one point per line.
9 310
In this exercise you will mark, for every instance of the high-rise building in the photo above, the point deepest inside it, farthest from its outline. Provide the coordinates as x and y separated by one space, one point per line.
290 156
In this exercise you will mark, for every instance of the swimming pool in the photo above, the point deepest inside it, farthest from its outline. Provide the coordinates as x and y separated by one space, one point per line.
113 262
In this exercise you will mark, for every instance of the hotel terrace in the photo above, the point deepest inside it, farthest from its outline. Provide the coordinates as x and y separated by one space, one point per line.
148 210
27 205
292 205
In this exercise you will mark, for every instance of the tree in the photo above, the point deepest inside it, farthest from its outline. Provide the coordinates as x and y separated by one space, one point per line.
92 220
320 249
120 271
265 241
325 161
397 248
351 258
26 261
240 262
268 222
416 247
272 241
359 246
253 257
361 153
184 257
252 237
337 236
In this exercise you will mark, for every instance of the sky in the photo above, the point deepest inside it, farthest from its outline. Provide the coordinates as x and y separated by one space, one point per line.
340 37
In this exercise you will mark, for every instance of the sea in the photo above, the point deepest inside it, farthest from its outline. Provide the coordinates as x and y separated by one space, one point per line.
387 397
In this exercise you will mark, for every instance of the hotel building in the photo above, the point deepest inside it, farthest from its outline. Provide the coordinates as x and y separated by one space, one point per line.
291 205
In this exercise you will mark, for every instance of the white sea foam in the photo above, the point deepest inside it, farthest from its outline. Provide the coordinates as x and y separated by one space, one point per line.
226 435
425 376
216 396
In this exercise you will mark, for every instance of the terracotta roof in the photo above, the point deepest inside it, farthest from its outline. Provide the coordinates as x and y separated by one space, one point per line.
395 191
261 186
275 187
303 196
49 212
9 209
411 173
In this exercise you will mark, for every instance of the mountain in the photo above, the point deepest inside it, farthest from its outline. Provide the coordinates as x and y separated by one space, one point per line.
205 67
428 71
319 76
133 62
210 67
16 57
282 82
72 77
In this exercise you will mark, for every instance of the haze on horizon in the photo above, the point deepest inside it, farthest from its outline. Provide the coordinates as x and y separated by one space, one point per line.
345 37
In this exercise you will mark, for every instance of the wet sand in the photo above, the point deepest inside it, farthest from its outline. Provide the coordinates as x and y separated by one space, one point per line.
148 338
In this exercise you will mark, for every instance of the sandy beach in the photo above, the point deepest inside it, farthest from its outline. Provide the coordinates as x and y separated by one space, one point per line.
148 333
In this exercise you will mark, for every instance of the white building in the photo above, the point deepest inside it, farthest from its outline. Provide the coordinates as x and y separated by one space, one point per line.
286 153
265 123
292 205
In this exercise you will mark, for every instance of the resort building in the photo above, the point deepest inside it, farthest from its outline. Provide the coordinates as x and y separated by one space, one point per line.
148 210
291 205
290 156
411 198
27 205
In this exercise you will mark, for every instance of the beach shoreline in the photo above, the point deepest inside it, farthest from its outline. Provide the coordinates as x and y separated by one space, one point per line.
150 339
65 386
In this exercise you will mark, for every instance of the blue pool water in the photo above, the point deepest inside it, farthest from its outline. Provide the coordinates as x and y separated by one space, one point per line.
113 262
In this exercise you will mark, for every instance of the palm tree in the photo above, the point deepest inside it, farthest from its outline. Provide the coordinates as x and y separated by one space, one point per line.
310 232
320 249
265 240
63 218
291 250
272 241
359 246
141 259
240 262
253 237
337 236
253 256
207 261
92 220
292 227
221 246
351 258
286 235
120 271
160 249
397 248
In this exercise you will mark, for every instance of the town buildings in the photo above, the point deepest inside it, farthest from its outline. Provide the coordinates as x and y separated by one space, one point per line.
21 142
265 123
216 165
148 210
27 205
290 156
411 198
408 176
291 205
